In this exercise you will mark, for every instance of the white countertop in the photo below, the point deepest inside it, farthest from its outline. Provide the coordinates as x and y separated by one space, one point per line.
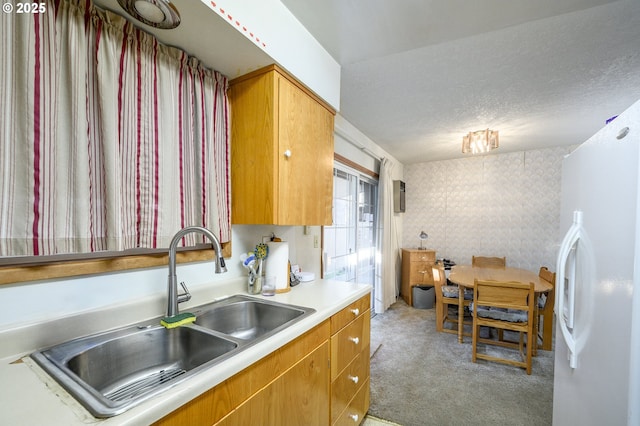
28 396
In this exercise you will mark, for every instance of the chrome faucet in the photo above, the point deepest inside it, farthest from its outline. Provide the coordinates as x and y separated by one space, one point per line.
173 298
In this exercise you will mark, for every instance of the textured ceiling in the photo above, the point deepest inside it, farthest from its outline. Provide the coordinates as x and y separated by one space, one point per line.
418 75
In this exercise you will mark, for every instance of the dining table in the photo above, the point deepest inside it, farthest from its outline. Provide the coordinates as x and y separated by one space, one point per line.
465 276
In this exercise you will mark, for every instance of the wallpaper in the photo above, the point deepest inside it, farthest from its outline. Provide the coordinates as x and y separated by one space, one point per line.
494 205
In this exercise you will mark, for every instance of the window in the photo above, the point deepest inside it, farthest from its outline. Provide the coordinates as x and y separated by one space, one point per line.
349 245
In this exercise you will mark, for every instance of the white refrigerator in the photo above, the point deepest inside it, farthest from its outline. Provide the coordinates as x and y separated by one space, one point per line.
597 346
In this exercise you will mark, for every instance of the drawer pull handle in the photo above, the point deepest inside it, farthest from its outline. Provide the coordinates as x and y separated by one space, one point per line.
287 153
355 340
354 417
354 379
355 311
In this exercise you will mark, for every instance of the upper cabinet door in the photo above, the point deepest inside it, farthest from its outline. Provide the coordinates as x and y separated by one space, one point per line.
281 151
306 158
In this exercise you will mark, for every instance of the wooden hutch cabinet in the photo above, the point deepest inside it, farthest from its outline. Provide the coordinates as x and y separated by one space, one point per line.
416 270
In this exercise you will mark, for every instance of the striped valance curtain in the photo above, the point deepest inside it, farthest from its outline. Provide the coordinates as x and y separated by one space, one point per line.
110 140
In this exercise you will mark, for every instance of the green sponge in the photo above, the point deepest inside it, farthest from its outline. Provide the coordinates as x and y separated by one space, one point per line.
178 320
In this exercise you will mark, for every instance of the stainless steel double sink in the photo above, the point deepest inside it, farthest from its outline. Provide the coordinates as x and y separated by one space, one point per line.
110 372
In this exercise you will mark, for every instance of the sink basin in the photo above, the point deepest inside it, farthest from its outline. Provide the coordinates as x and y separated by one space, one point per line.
111 372
248 318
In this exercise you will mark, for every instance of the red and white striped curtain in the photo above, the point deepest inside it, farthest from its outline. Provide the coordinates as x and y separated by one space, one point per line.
110 140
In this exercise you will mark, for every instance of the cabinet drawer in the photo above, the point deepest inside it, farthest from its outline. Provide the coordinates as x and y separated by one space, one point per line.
348 382
420 273
355 412
349 342
422 256
349 313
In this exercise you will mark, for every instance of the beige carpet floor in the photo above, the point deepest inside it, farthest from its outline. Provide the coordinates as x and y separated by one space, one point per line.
422 377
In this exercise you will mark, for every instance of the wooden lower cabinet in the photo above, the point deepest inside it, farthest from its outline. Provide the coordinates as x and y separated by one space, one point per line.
297 366
357 408
347 384
321 378
350 367
349 343
298 397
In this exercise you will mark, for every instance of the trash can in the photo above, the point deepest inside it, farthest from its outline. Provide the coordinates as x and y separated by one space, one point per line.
424 296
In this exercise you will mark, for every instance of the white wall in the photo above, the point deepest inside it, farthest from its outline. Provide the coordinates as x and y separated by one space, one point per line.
495 205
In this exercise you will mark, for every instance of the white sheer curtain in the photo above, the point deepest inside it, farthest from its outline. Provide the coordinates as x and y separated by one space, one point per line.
110 140
387 284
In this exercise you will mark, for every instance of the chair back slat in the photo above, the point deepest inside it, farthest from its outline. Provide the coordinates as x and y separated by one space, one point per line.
507 295
488 262
546 305
439 277
443 302
547 275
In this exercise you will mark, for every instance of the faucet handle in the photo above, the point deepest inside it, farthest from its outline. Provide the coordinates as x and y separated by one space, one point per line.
186 296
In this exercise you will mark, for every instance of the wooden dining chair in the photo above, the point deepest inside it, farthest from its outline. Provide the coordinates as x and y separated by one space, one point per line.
446 296
488 262
504 305
545 310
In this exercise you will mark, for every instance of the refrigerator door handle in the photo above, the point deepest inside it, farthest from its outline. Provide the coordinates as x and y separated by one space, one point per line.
565 313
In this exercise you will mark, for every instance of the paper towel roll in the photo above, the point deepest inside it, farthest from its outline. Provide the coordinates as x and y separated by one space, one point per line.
277 265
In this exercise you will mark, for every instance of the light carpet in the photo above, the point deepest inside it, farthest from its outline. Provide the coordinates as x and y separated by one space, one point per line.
422 377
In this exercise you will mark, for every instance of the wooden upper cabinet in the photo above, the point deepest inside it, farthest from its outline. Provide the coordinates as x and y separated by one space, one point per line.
281 151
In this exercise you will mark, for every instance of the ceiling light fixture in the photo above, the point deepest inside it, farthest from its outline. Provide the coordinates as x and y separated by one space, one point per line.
156 13
480 141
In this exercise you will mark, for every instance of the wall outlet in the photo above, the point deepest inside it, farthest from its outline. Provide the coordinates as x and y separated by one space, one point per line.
316 241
